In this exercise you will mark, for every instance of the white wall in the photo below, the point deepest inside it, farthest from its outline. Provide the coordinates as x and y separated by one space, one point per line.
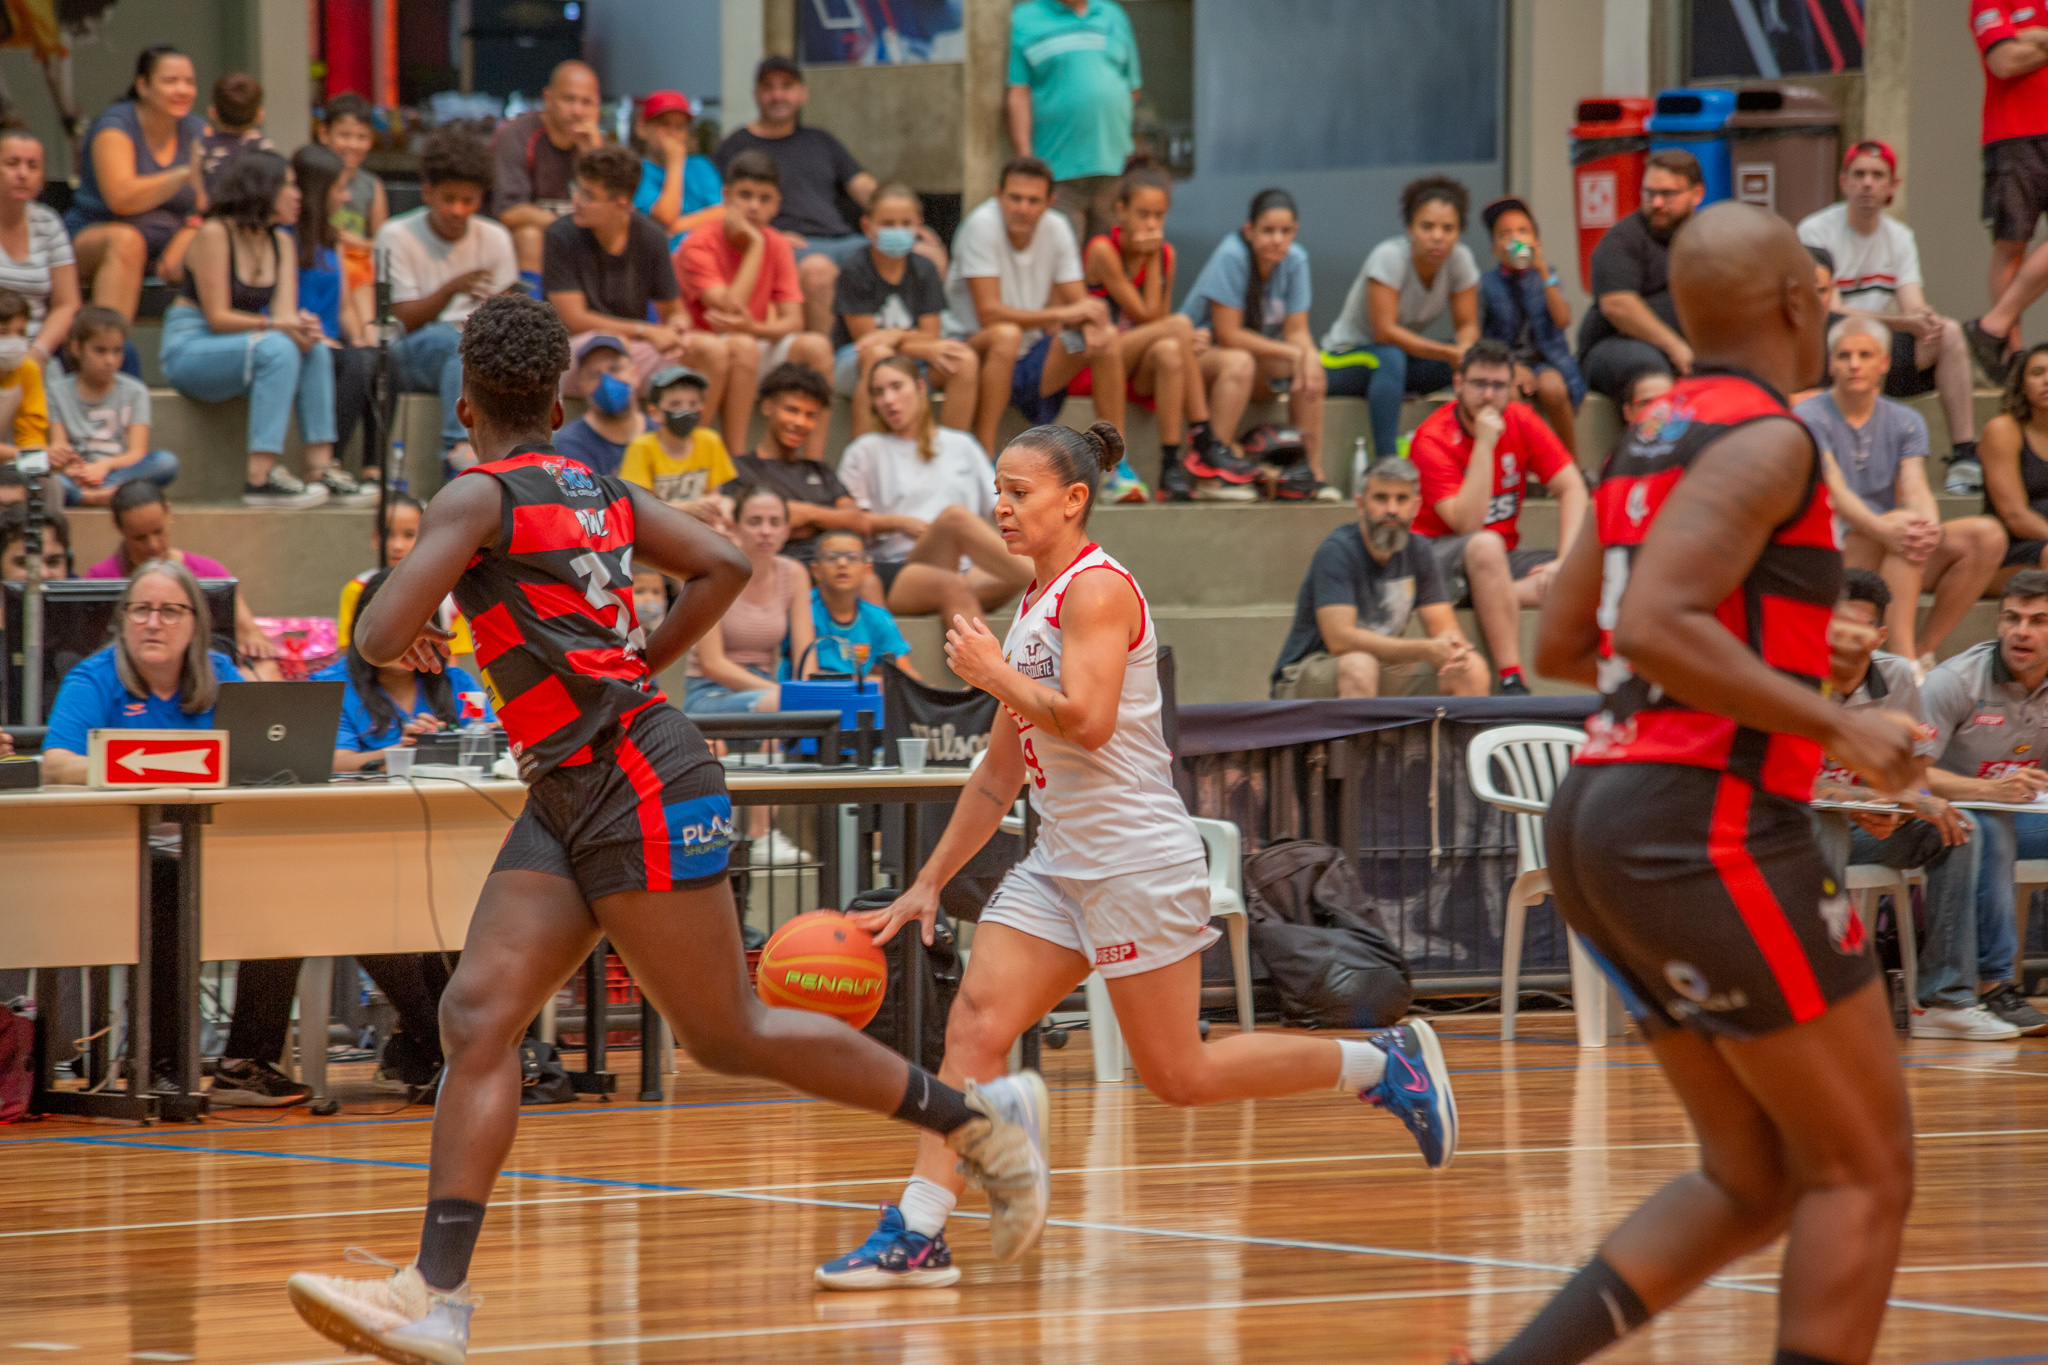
643 45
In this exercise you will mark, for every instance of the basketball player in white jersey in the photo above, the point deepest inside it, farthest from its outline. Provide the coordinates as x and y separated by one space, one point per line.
1116 883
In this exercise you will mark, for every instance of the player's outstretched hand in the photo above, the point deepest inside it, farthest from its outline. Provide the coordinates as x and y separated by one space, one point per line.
918 903
1875 745
975 655
428 653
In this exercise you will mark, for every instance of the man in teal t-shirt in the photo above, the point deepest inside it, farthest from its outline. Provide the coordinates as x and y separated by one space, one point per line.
1073 78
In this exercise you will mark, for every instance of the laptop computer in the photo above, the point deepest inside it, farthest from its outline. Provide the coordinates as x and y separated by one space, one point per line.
279 733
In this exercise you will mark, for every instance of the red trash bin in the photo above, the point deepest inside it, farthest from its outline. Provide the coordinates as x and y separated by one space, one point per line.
1610 142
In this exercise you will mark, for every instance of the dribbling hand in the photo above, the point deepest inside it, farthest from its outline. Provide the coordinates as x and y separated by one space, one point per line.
918 903
1875 745
427 653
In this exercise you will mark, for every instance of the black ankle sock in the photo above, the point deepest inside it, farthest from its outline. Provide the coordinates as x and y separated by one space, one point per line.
1588 1315
1784 1357
448 1240
1196 431
1169 454
930 1103
1963 450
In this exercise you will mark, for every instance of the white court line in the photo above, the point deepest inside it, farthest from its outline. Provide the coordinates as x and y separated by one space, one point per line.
973 1319
1999 1071
734 1191
1957 1268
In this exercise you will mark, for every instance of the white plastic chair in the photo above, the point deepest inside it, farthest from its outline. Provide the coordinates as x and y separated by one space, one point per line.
2028 875
1866 880
1534 759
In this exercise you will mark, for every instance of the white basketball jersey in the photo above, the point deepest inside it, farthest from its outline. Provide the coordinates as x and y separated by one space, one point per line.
1108 811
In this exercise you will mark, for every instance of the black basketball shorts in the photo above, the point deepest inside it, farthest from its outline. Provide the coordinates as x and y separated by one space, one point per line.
652 814
1706 899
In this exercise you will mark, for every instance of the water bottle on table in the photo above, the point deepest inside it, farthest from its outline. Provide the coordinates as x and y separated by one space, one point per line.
479 743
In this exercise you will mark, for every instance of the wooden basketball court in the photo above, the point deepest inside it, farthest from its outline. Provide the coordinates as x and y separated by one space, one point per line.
1285 1231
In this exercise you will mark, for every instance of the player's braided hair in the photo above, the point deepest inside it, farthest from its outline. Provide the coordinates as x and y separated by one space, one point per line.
514 350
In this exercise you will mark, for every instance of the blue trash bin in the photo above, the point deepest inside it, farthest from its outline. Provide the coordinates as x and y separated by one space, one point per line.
1696 121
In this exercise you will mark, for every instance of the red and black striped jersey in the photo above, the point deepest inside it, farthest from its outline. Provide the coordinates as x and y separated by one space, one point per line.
1780 609
551 609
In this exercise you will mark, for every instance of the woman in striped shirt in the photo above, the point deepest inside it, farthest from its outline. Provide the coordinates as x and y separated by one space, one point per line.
35 252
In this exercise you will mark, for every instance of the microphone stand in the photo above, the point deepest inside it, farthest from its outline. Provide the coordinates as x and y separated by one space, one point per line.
382 401
32 590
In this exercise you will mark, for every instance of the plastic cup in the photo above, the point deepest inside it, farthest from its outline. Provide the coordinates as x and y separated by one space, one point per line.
910 754
398 762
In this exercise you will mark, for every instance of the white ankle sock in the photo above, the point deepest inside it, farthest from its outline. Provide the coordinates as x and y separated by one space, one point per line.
926 1206
1362 1067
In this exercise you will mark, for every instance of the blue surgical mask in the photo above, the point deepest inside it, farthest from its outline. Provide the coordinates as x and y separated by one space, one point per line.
612 395
895 242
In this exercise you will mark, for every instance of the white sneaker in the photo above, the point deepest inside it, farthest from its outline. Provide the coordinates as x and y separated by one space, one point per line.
1972 1023
1215 490
401 1319
776 849
282 489
343 491
1006 1157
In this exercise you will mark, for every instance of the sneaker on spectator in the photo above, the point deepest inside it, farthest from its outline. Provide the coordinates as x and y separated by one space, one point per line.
1965 477
1212 459
1215 490
1514 687
343 491
255 1085
1175 483
1988 351
775 849
282 489
1973 1023
1124 485
2006 1002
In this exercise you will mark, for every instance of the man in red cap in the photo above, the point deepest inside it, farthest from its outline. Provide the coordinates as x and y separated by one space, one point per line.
674 182
1877 275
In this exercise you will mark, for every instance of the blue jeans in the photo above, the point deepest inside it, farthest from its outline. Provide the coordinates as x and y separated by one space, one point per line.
427 361
2007 837
703 697
159 467
1948 963
833 249
265 367
1383 389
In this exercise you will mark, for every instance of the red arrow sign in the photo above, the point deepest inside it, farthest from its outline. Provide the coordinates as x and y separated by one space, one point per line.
196 759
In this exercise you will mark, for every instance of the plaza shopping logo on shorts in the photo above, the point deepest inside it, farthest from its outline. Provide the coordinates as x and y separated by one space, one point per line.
1690 982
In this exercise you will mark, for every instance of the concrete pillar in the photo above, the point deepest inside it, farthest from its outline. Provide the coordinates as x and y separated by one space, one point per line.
1557 60
1887 84
741 26
985 139
283 56
1625 47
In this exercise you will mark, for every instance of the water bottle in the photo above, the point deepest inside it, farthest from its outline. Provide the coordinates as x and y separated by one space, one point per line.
398 481
1360 462
479 744
1520 254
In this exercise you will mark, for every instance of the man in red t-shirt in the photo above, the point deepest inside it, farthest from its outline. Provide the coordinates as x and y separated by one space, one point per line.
739 279
2012 35
1474 455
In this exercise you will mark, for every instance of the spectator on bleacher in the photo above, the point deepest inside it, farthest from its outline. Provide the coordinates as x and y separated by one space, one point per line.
348 129
139 183
444 259
1521 305
346 313
56 558
1365 584
735 666
99 417
24 403
1253 297
1645 389
1016 285
739 279
1131 268
159 674
401 532
794 401
816 170
888 301
535 155
606 270
2015 470
1475 454
236 330
679 459
675 182
1375 350
1632 325
930 493
2013 43
141 512
392 706
853 634
1074 82
234 121
1877 275
35 252
1986 705
1875 463
611 420
1927 833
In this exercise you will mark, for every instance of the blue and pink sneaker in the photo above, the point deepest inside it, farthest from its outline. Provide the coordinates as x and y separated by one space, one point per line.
1417 1090
893 1257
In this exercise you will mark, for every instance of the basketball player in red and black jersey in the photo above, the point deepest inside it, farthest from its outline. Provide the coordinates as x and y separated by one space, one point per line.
625 833
1681 848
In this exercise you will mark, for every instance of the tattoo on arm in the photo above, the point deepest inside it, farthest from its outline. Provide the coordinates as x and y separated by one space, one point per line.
997 800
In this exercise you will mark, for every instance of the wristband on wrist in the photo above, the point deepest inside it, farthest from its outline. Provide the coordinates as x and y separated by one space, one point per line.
1550 280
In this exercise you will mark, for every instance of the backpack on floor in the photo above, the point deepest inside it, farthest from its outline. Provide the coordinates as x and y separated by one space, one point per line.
542 1077
941 982
1330 958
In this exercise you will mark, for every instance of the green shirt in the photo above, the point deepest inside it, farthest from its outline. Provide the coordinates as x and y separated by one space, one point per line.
1082 70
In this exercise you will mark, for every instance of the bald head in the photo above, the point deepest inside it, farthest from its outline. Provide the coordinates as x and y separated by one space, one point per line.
1743 287
573 72
569 105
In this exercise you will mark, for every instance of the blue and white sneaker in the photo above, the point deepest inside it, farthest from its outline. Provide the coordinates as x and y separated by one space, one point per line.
893 1257
1006 1157
1417 1090
1124 485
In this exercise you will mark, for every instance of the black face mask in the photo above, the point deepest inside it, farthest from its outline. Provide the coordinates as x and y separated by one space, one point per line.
680 424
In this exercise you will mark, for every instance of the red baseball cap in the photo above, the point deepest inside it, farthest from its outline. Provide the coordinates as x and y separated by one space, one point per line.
665 102
1876 147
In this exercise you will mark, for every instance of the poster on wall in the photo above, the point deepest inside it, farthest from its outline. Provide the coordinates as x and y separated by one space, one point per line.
1771 38
880 32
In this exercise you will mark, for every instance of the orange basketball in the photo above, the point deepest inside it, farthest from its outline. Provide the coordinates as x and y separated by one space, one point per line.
821 962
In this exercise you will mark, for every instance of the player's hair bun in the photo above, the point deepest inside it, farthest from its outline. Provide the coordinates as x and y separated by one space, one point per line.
1108 443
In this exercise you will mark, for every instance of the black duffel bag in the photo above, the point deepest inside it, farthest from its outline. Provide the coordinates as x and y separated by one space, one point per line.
1330 958
941 981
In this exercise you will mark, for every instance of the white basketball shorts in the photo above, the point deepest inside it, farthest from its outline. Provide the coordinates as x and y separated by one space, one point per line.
1137 922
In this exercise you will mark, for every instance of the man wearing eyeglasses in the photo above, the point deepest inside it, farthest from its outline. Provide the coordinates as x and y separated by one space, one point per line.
1475 454
1633 327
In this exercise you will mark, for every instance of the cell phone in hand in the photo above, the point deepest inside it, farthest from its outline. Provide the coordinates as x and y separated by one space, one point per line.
1073 342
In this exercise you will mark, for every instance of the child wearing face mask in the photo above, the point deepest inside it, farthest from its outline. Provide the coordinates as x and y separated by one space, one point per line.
610 420
887 302
24 408
678 459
